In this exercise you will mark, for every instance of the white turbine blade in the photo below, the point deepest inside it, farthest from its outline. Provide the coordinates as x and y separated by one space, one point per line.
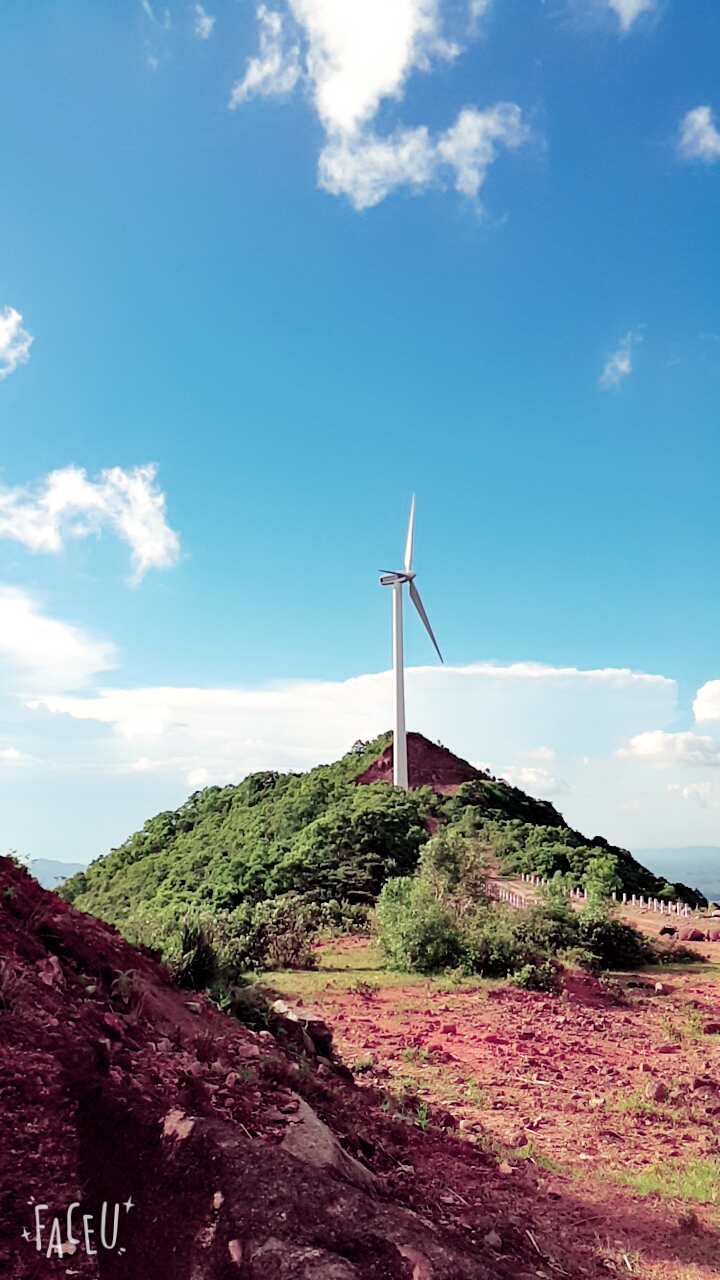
409 539
415 597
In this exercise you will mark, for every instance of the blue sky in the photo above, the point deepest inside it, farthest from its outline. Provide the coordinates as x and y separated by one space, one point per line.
306 260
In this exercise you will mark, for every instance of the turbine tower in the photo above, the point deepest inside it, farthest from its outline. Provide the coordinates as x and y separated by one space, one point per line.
397 581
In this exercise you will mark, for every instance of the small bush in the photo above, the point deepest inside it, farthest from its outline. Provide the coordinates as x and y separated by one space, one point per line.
613 944
281 934
415 932
453 867
491 945
537 977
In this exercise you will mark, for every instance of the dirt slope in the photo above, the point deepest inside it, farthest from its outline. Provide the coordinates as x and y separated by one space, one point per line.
117 1088
429 764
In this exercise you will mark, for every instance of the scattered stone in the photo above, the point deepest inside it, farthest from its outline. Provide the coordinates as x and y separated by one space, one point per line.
177 1125
504 1168
705 1082
493 1240
246 1051
422 1268
312 1142
656 1091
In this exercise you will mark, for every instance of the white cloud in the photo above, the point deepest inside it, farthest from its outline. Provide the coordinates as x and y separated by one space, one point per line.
361 52
468 146
163 22
667 749
699 138
204 23
707 701
43 652
277 69
692 791
356 55
484 711
619 363
366 168
14 341
628 10
67 504
113 756
13 756
536 781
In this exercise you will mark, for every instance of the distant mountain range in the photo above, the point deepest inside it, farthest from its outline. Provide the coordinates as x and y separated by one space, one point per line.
696 864
49 873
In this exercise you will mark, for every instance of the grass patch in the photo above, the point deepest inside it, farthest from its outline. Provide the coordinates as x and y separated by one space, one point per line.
529 1152
634 1103
414 1055
698 1180
474 1094
365 1062
695 1022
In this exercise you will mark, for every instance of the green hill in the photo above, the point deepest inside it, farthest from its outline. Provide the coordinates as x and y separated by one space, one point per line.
280 852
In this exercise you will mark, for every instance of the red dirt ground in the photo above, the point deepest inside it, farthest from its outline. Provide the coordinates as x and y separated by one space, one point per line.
115 1085
98 1050
429 764
565 1079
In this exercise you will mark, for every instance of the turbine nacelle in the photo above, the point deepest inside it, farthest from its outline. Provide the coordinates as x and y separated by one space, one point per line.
389 578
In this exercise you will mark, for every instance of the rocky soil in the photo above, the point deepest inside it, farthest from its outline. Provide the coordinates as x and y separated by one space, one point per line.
600 1106
429 764
218 1151
408 1130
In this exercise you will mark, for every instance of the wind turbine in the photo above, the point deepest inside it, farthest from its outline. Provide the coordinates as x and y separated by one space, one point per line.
397 581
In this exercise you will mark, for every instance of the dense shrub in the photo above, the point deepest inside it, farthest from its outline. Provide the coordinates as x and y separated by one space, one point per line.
537 977
416 933
429 922
613 944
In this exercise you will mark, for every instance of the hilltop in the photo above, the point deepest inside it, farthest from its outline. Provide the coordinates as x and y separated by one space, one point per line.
258 866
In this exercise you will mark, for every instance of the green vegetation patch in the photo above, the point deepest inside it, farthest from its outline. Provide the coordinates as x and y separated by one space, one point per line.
246 877
697 1180
441 918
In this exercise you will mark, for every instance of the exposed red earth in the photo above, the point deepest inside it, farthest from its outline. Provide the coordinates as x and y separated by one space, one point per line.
206 1139
574 1094
429 764
482 1135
